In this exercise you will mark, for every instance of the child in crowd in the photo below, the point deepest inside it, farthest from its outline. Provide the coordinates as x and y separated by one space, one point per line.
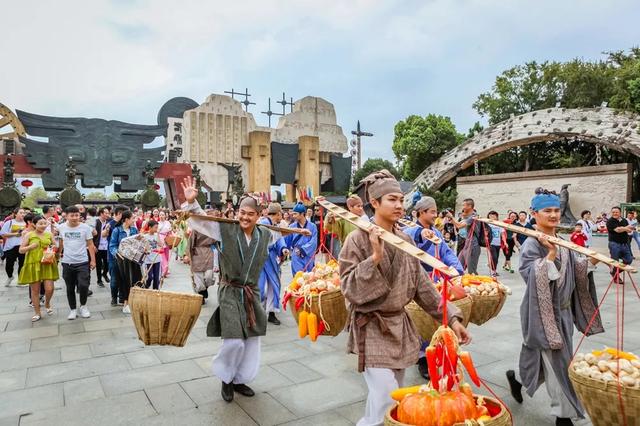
153 259
578 237
449 241
495 245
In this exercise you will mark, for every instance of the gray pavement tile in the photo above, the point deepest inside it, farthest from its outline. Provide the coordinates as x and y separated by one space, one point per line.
280 335
69 339
105 324
29 359
74 353
328 394
13 380
195 350
142 358
192 417
282 352
204 390
10 421
31 333
169 398
31 400
296 372
15 347
264 409
116 345
269 379
329 418
352 412
223 413
76 370
8 309
320 346
76 391
148 377
332 364
119 409
72 328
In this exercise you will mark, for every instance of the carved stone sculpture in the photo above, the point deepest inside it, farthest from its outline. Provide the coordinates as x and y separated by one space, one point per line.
566 218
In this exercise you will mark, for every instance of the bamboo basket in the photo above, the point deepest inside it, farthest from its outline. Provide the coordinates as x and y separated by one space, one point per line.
334 310
602 402
172 240
503 418
164 317
425 323
486 307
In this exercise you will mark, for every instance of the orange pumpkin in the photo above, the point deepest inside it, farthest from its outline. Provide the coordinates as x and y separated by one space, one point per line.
435 409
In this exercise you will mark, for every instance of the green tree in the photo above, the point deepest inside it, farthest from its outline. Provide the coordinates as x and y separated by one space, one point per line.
32 197
96 195
626 90
419 141
445 198
374 165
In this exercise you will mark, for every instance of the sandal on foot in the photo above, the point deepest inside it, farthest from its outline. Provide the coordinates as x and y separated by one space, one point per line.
49 310
35 318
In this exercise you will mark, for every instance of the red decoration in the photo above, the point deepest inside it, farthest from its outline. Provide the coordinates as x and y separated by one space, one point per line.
26 183
156 187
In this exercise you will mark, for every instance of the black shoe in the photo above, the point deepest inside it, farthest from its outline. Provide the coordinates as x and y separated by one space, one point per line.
563 421
100 284
227 391
114 302
89 293
272 318
106 278
515 386
422 368
243 390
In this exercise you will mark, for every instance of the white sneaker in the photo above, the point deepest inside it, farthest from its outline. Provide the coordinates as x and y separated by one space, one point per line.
84 312
72 315
126 310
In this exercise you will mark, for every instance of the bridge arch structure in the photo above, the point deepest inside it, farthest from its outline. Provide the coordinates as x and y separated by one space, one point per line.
605 126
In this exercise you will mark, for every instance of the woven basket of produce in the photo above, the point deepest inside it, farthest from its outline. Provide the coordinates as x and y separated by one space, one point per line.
172 240
318 293
608 384
488 296
164 317
426 325
498 416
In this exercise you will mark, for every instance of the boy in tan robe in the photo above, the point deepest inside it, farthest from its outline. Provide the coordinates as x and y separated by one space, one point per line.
378 281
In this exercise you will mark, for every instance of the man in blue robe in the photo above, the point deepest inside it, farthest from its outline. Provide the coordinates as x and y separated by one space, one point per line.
426 213
303 247
269 282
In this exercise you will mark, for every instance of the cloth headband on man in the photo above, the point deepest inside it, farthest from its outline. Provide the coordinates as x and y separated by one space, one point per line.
380 183
353 200
425 203
543 201
299 208
248 202
274 208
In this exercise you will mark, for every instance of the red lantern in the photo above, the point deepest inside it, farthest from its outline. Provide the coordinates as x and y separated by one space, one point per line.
156 187
26 183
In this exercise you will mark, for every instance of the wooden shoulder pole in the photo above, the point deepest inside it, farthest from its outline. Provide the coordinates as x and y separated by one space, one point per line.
389 238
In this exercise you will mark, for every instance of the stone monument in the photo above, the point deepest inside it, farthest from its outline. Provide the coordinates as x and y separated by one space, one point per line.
149 198
70 194
10 196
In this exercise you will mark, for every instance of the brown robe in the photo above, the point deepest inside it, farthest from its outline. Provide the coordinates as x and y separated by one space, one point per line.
377 297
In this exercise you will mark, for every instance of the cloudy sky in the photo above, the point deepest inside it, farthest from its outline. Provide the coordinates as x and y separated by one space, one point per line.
376 61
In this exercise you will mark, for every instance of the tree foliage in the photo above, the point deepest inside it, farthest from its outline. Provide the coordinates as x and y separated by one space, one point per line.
419 141
96 195
374 165
31 198
445 198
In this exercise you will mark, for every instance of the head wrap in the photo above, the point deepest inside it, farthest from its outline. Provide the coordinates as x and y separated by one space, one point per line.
274 208
248 202
425 203
544 200
299 208
353 200
380 183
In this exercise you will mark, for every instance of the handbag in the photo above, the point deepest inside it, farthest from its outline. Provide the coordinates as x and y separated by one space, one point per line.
133 249
48 256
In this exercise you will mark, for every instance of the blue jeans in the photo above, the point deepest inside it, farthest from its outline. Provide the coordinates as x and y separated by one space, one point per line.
114 278
620 251
636 238
153 275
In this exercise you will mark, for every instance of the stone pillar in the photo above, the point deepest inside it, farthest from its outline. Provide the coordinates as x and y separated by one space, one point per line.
309 166
259 162
290 193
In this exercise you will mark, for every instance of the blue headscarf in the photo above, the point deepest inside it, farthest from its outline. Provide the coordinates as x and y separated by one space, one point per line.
299 208
542 201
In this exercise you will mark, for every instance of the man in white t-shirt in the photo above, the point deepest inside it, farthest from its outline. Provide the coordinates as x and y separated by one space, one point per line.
76 245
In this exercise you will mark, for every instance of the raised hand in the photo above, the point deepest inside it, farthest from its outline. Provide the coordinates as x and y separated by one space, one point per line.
189 189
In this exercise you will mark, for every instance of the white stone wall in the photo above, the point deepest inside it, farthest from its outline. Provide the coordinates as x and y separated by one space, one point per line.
595 188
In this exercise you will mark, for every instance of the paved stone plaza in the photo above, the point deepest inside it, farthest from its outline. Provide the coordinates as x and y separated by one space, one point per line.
95 371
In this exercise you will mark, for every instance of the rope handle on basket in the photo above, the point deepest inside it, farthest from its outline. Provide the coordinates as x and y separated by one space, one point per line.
308 299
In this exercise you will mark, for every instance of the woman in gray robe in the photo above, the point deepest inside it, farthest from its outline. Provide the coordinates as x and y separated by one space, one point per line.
559 294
